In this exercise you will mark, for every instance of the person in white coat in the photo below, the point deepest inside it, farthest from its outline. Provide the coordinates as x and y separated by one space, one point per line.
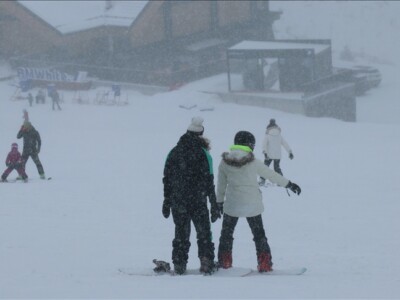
272 144
238 195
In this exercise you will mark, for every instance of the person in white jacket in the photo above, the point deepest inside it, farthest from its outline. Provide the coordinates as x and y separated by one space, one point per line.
272 144
238 195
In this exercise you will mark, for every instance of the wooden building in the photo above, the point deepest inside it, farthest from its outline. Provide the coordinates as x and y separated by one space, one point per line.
158 42
24 33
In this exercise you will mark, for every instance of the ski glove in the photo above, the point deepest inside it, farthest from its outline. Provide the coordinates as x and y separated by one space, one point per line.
215 212
294 188
166 209
291 156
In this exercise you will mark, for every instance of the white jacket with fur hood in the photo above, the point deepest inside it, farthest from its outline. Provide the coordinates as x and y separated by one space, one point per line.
237 184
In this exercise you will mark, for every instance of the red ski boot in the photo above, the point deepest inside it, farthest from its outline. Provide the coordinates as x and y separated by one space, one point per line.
225 260
264 262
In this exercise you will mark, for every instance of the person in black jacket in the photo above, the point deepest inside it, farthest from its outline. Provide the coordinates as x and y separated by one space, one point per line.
32 144
188 181
55 97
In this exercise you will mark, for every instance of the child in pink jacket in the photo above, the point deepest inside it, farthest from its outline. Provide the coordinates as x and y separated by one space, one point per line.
13 161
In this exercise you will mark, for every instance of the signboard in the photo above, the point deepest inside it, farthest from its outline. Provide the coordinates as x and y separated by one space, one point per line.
43 74
39 77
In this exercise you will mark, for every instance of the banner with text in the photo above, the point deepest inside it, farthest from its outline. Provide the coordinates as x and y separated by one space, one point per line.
43 74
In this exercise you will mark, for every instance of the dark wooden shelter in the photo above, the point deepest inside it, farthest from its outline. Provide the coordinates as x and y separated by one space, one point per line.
296 63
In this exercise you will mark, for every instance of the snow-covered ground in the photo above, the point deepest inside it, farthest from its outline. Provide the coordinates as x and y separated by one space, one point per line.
66 238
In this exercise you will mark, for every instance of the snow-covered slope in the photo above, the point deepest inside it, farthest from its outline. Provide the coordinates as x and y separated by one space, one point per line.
66 238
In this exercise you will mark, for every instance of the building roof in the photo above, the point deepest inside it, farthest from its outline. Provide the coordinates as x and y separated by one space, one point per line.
73 16
277 45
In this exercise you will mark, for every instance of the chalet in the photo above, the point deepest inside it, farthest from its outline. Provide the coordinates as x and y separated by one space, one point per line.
22 32
157 42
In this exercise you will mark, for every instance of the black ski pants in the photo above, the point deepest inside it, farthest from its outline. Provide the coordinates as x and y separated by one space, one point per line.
277 167
35 157
257 228
183 216
56 103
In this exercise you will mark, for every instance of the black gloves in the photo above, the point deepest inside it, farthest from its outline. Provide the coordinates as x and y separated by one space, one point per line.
215 212
166 209
291 156
294 188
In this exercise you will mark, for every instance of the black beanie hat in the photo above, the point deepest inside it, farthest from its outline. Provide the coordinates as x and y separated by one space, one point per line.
272 123
245 138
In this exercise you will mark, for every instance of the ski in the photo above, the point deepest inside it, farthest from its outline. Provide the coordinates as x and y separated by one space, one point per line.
188 107
23 181
13 181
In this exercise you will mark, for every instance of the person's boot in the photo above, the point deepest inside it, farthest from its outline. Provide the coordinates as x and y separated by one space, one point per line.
3 178
264 262
225 260
207 266
42 176
179 269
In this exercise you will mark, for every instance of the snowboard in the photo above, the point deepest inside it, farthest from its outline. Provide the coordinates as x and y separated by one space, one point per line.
163 268
231 272
280 272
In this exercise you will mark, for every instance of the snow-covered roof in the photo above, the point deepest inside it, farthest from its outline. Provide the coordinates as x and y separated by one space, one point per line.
271 45
72 16
204 44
